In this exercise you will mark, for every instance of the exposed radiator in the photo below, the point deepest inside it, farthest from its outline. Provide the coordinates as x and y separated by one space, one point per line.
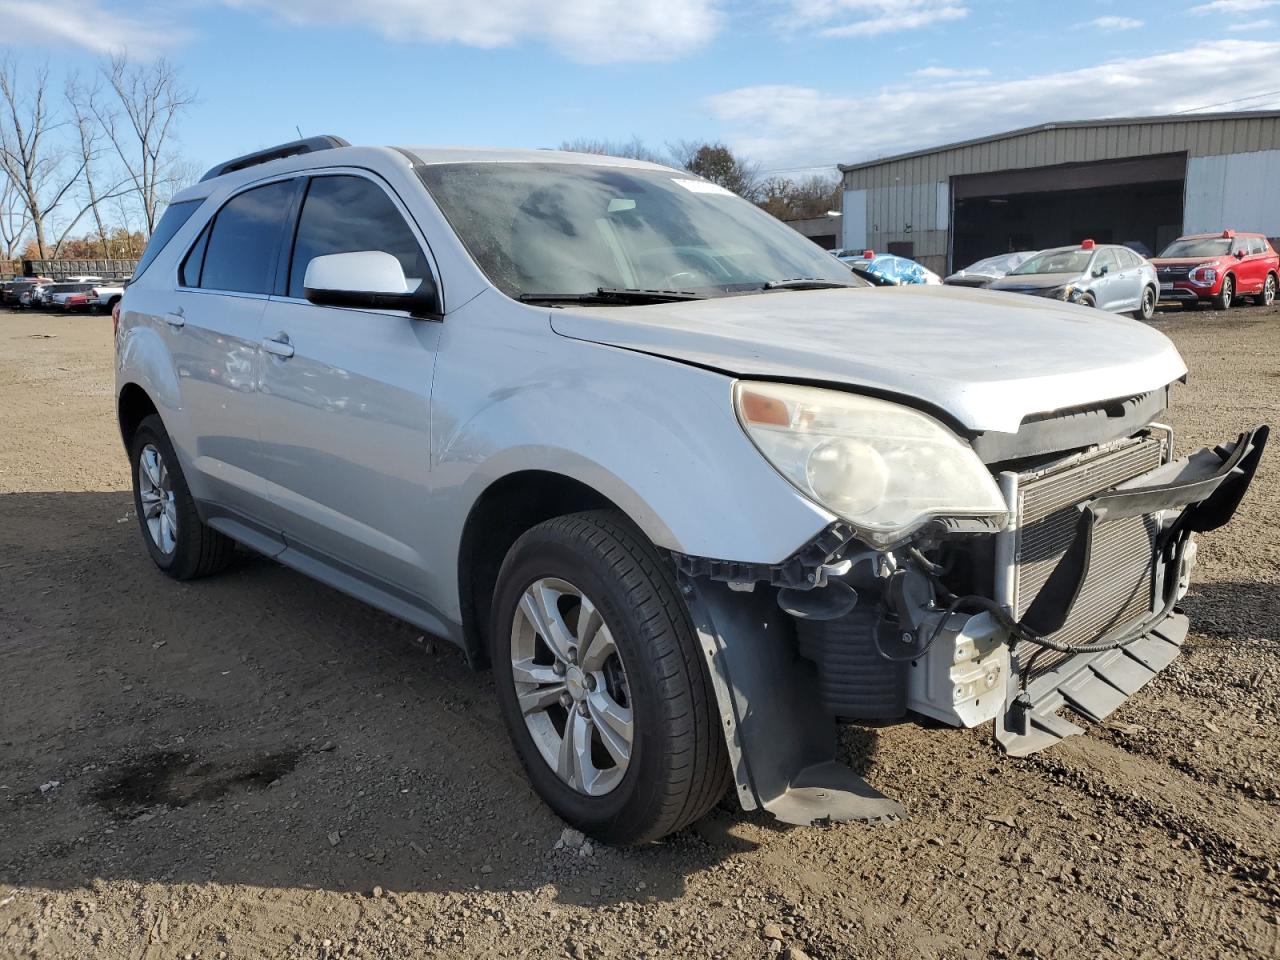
1118 588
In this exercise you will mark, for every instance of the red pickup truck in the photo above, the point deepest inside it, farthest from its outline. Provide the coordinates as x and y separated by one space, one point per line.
1218 268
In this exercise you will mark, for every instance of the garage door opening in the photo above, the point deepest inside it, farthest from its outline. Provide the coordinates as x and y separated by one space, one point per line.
1137 202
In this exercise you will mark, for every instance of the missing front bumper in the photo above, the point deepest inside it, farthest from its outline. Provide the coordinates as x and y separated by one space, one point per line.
1192 495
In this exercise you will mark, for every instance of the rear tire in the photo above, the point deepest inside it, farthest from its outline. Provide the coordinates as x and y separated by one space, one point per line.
179 543
1226 296
676 766
1147 309
1268 295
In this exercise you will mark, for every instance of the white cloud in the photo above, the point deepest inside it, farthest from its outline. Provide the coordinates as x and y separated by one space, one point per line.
1115 23
1249 26
86 24
950 73
869 18
786 126
1234 6
590 31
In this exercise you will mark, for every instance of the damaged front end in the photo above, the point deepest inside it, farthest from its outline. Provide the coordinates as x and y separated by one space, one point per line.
1067 604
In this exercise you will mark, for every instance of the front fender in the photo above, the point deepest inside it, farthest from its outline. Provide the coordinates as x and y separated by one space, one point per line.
657 437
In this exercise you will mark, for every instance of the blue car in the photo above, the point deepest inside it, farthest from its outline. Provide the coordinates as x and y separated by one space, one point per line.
887 269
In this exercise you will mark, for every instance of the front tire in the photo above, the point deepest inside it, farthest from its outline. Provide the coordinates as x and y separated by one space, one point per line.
179 543
1226 296
602 683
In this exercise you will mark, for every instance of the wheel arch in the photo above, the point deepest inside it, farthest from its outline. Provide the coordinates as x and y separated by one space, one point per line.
133 405
506 509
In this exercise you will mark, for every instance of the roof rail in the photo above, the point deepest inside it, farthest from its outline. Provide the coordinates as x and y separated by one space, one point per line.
292 149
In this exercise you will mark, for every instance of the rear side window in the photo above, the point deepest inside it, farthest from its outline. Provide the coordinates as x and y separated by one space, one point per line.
170 223
244 240
348 215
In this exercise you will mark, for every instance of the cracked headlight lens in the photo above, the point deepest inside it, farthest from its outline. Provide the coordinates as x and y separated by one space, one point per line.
885 468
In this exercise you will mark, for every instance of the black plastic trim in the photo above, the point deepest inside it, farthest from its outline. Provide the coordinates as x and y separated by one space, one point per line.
291 149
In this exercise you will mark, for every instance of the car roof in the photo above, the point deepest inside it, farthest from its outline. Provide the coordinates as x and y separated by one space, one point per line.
438 155
1218 235
331 156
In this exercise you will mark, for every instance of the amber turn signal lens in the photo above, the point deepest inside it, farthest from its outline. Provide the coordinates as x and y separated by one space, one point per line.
757 408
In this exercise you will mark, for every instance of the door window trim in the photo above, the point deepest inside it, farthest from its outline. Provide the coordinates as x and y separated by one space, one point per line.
211 223
285 263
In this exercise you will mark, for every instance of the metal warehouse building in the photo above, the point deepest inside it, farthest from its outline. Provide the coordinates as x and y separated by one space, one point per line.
1145 179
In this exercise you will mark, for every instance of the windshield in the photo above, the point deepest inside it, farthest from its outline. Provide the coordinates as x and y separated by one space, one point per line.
544 229
1056 261
1203 247
997 265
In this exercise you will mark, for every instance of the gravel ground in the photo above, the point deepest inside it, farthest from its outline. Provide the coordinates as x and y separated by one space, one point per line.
256 766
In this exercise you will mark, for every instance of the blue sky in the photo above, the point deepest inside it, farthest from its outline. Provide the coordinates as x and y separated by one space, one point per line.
792 83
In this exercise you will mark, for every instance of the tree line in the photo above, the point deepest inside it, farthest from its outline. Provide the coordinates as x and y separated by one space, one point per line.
784 197
87 167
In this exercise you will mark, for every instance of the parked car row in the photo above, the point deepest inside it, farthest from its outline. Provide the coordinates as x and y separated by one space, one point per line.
69 294
1213 268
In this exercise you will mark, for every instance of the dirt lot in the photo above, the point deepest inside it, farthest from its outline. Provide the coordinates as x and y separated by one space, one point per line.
256 766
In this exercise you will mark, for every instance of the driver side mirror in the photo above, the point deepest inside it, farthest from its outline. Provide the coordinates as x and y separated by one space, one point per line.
1102 271
1239 254
369 279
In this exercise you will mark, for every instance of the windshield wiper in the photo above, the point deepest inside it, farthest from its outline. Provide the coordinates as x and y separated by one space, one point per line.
612 295
806 283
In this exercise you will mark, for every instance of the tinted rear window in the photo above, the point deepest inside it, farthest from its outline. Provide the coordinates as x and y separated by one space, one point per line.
170 223
245 241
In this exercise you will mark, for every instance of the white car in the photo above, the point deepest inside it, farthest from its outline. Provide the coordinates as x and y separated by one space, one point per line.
105 295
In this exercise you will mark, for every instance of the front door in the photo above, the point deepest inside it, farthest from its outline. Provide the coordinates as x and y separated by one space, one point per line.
346 398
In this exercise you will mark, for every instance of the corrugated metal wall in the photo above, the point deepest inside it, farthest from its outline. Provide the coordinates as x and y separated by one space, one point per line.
906 198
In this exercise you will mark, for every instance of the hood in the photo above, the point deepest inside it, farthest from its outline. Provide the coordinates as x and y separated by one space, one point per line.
986 359
1035 281
1158 262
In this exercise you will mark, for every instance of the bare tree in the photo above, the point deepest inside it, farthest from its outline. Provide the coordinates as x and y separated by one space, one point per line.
138 116
15 219
36 168
89 136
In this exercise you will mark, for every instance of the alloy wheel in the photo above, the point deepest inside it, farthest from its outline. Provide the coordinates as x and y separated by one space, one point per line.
1269 291
572 687
1148 303
155 491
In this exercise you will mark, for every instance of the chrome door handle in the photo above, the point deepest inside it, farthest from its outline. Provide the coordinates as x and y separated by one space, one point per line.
278 345
175 319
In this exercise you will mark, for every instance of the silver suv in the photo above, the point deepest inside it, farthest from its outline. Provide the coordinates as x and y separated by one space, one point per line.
693 491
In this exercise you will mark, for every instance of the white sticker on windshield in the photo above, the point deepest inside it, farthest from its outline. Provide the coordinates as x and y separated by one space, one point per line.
702 186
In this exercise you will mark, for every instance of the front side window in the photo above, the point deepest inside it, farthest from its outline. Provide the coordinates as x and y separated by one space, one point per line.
175 215
540 229
245 240
343 214
1257 245
1108 259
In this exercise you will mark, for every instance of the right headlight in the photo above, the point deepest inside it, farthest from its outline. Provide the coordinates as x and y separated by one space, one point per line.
885 468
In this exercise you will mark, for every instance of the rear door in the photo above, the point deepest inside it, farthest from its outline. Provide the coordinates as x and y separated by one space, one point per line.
346 414
1253 268
213 328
